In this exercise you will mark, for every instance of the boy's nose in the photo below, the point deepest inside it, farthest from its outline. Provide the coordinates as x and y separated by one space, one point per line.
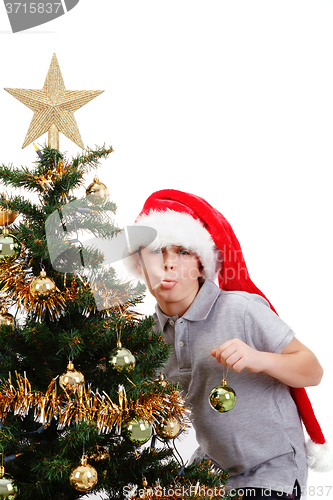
168 261
167 266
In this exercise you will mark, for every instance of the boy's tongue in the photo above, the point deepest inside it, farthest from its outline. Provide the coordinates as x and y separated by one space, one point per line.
168 284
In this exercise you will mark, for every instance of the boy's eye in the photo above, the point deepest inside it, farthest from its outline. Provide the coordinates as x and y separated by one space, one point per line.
182 251
158 250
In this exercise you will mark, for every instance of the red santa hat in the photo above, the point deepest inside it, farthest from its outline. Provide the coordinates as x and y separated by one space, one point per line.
186 220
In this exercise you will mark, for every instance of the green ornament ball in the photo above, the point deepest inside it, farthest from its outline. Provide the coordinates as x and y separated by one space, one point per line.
138 431
122 359
222 398
10 247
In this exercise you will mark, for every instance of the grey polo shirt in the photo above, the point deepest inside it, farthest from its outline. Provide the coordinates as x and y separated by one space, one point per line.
261 439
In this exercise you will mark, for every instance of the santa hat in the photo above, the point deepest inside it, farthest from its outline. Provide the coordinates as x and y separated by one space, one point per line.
186 220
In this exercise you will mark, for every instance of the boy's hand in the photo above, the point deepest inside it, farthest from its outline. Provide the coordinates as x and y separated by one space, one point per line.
296 366
238 355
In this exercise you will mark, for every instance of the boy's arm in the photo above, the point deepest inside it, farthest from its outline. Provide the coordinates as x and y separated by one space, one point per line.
296 366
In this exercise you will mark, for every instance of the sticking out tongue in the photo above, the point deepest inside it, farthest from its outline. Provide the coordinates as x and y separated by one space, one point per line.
168 284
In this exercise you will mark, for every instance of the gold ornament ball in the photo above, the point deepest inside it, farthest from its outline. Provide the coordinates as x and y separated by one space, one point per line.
169 429
137 431
42 287
161 380
10 247
84 477
97 191
6 319
7 487
71 380
122 359
222 398
7 217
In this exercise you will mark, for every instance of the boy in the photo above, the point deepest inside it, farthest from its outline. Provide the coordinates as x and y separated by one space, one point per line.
261 439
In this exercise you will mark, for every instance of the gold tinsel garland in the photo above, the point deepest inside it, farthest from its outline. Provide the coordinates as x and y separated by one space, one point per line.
85 405
182 492
15 278
183 487
47 179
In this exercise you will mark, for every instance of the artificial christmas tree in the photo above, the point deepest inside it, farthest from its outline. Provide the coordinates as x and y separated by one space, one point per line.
79 394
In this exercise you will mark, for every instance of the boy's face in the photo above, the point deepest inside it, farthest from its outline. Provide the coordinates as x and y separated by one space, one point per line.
171 275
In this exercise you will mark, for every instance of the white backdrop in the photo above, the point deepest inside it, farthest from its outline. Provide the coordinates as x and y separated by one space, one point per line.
232 101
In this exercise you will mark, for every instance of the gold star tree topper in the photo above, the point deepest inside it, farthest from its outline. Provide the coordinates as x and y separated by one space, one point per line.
54 108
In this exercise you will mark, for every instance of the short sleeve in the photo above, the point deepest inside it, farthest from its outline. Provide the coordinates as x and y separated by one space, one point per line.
265 330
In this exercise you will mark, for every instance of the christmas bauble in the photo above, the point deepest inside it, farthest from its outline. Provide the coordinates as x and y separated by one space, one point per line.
7 487
7 217
10 247
42 287
97 191
161 380
84 477
72 379
170 429
6 318
122 359
99 453
222 398
137 430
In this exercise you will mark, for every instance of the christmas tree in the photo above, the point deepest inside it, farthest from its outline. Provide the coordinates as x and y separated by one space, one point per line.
79 388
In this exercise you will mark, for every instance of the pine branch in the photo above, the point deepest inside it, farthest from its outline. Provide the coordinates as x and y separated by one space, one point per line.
19 178
90 160
23 206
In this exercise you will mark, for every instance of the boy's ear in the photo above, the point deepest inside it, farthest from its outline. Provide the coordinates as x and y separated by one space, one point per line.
138 269
137 263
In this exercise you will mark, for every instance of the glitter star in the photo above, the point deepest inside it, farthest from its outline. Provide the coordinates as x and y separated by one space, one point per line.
54 107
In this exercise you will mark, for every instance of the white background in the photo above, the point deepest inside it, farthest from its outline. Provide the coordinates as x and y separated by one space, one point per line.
230 100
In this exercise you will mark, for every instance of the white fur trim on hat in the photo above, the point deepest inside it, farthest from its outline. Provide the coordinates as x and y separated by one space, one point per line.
181 229
320 456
